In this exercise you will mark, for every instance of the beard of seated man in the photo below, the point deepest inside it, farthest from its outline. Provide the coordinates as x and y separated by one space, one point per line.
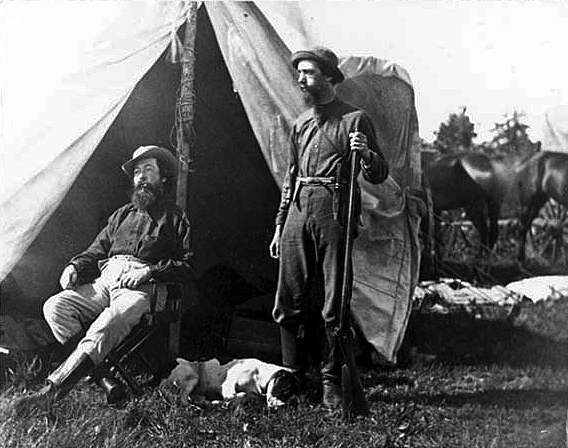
146 194
210 380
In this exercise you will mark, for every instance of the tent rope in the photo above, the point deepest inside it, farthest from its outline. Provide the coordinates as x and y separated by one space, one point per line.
185 108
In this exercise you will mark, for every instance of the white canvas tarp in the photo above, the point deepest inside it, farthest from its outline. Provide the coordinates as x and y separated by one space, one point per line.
555 135
44 147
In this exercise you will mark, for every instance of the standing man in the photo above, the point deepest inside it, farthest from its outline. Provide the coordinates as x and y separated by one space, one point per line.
106 288
308 236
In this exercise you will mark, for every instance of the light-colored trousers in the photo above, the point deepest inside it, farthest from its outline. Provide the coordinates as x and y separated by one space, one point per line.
109 311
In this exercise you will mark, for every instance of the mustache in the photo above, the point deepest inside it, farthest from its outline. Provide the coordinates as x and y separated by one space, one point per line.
144 194
145 186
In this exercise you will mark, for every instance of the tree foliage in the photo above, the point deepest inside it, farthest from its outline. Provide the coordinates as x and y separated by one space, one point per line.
456 134
511 138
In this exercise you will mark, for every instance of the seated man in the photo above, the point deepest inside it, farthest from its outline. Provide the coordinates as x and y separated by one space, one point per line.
107 285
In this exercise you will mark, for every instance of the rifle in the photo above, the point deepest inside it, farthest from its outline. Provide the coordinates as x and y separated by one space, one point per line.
354 401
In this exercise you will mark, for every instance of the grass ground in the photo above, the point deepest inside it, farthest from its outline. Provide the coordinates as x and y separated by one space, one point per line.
462 382
422 405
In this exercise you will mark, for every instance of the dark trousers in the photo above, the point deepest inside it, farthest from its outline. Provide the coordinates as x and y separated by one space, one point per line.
312 246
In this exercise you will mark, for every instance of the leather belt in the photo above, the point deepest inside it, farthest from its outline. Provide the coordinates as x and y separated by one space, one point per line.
315 181
311 181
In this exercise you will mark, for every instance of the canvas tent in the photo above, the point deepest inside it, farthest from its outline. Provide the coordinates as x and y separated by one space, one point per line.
555 135
61 155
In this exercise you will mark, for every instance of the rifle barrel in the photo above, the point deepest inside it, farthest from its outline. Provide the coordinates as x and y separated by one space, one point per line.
346 286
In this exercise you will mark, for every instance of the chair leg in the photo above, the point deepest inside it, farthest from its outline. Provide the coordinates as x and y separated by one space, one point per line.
173 341
132 383
169 320
174 331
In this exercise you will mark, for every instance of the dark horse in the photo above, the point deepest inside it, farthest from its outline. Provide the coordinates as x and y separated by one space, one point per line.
472 181
539 177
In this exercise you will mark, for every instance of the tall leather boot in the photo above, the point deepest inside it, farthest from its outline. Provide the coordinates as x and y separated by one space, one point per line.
59 383
331 371
289 347
114 390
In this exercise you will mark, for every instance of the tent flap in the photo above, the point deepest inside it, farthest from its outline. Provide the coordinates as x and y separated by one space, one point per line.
43 153
258 61
556 129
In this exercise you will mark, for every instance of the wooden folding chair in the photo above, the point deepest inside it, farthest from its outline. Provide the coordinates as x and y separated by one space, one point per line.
153 323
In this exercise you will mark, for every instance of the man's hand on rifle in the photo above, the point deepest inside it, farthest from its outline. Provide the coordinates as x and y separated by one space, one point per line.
358 142
275 243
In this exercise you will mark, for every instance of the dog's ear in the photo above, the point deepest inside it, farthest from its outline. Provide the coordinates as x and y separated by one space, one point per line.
192 377
281 388
193 365
184 376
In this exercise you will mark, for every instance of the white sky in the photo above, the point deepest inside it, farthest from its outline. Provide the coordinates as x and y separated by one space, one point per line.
492 56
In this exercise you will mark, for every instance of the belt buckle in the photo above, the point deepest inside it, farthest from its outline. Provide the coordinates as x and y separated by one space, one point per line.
321 181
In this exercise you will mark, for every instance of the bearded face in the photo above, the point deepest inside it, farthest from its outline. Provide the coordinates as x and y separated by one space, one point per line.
145 194
311 95
148 184
313 82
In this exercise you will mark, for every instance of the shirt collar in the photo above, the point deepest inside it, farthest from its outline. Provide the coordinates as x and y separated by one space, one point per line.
321 112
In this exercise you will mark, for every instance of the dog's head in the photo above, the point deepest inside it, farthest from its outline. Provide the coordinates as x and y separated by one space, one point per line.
185 375
281 388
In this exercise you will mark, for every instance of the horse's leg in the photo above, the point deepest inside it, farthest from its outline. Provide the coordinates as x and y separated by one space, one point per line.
436 251
477 213
428 244
493 209
528 213
525 218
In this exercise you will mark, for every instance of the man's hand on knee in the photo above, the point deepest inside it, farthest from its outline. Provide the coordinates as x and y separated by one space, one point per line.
134 278
68 279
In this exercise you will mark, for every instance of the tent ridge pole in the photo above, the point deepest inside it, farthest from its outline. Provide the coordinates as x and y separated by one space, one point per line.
185 107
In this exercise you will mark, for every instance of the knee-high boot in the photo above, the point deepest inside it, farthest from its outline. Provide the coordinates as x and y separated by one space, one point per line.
59 383
289 346
331 371
114 390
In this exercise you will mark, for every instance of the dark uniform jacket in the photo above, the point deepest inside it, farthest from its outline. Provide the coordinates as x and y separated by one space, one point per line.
159 236
319 143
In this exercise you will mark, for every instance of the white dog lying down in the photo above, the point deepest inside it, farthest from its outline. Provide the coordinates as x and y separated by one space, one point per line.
210 380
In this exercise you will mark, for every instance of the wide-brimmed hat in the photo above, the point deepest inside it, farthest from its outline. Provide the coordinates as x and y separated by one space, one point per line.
325 58
167 159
